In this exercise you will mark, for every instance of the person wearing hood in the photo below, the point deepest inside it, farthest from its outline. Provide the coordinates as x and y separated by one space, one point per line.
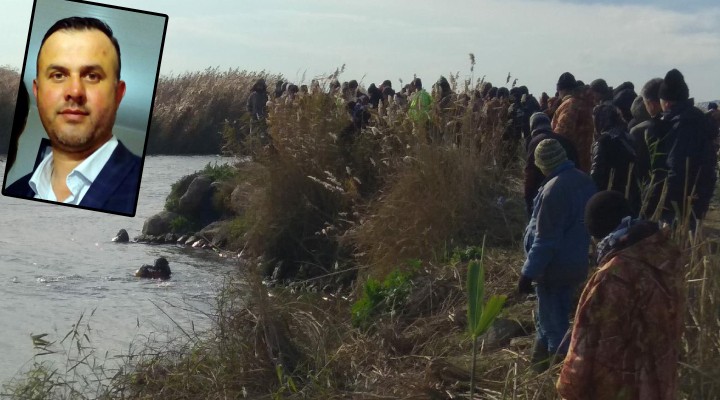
540 126
625 340
614 155
639 113
573 119
529 105
375 95
512 132
445 94
601 92
279 89
623 97
420 103
257 101
257 108
556 244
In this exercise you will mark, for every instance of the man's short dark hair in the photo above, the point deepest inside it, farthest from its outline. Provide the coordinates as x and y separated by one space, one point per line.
83 23
651 90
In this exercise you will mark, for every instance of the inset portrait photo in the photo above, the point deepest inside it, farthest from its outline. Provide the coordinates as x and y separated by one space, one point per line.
84 105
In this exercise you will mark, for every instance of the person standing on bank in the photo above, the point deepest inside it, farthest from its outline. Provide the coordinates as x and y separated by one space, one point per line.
556 243
684 158
630 319
78 91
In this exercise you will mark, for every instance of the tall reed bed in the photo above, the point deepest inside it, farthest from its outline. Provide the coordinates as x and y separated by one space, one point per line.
700 360
192 108
9 81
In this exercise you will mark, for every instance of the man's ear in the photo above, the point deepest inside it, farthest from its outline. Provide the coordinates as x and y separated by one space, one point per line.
119 93
35 89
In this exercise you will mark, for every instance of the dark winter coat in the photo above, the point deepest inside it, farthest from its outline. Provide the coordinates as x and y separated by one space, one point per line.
683 146
613 153
257 104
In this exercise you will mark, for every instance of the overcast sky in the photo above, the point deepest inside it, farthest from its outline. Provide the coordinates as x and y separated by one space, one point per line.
533 40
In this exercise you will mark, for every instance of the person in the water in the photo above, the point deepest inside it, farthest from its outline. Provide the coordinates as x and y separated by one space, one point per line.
159 270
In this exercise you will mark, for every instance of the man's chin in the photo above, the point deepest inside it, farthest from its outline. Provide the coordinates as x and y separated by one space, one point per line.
72 143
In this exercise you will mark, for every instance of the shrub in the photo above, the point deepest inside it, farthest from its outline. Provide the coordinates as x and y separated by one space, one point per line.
442 195
177 189
180 224
384 297
219 172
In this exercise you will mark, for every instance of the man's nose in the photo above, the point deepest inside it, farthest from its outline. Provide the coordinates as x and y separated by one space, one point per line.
75 90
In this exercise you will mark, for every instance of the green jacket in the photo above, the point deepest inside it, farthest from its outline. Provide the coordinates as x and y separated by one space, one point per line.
420 106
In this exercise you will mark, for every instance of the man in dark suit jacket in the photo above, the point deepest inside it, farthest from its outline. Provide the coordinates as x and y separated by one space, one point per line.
114 190
78 92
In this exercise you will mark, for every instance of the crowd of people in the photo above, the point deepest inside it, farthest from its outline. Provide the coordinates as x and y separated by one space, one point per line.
655 146
600 162
639 158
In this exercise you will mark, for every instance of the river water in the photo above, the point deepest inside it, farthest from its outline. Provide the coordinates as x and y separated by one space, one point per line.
57 263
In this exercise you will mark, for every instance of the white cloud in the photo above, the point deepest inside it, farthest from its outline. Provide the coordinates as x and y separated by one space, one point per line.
534 40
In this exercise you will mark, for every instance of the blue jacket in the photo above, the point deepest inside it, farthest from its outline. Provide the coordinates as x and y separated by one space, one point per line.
556 241
114 190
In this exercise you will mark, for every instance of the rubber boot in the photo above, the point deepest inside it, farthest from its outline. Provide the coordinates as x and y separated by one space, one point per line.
540 359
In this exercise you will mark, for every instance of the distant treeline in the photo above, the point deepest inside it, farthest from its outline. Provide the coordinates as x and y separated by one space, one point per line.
190 109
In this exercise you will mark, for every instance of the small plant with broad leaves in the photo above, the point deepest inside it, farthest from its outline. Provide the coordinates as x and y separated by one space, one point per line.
480 315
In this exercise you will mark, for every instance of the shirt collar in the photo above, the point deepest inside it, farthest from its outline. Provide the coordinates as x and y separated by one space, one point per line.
40 179
90 168
78 180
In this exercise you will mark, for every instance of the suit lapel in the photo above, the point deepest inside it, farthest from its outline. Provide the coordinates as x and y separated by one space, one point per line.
110 177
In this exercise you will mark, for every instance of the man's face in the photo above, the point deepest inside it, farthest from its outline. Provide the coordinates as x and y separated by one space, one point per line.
665 105
77 89
653 107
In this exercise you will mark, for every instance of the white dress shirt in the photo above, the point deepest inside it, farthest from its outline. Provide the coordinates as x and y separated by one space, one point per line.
78 180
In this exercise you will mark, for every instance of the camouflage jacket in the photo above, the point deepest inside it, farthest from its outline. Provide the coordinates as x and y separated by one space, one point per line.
573 120
628 325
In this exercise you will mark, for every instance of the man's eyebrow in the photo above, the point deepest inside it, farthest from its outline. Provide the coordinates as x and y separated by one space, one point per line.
84 68
56 67
92 67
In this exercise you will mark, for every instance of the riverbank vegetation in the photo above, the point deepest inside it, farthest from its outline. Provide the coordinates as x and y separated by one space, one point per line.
9 83
356 245
192 108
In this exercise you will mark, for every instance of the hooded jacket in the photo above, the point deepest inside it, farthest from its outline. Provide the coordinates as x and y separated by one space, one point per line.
573 120
626 336
614 155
